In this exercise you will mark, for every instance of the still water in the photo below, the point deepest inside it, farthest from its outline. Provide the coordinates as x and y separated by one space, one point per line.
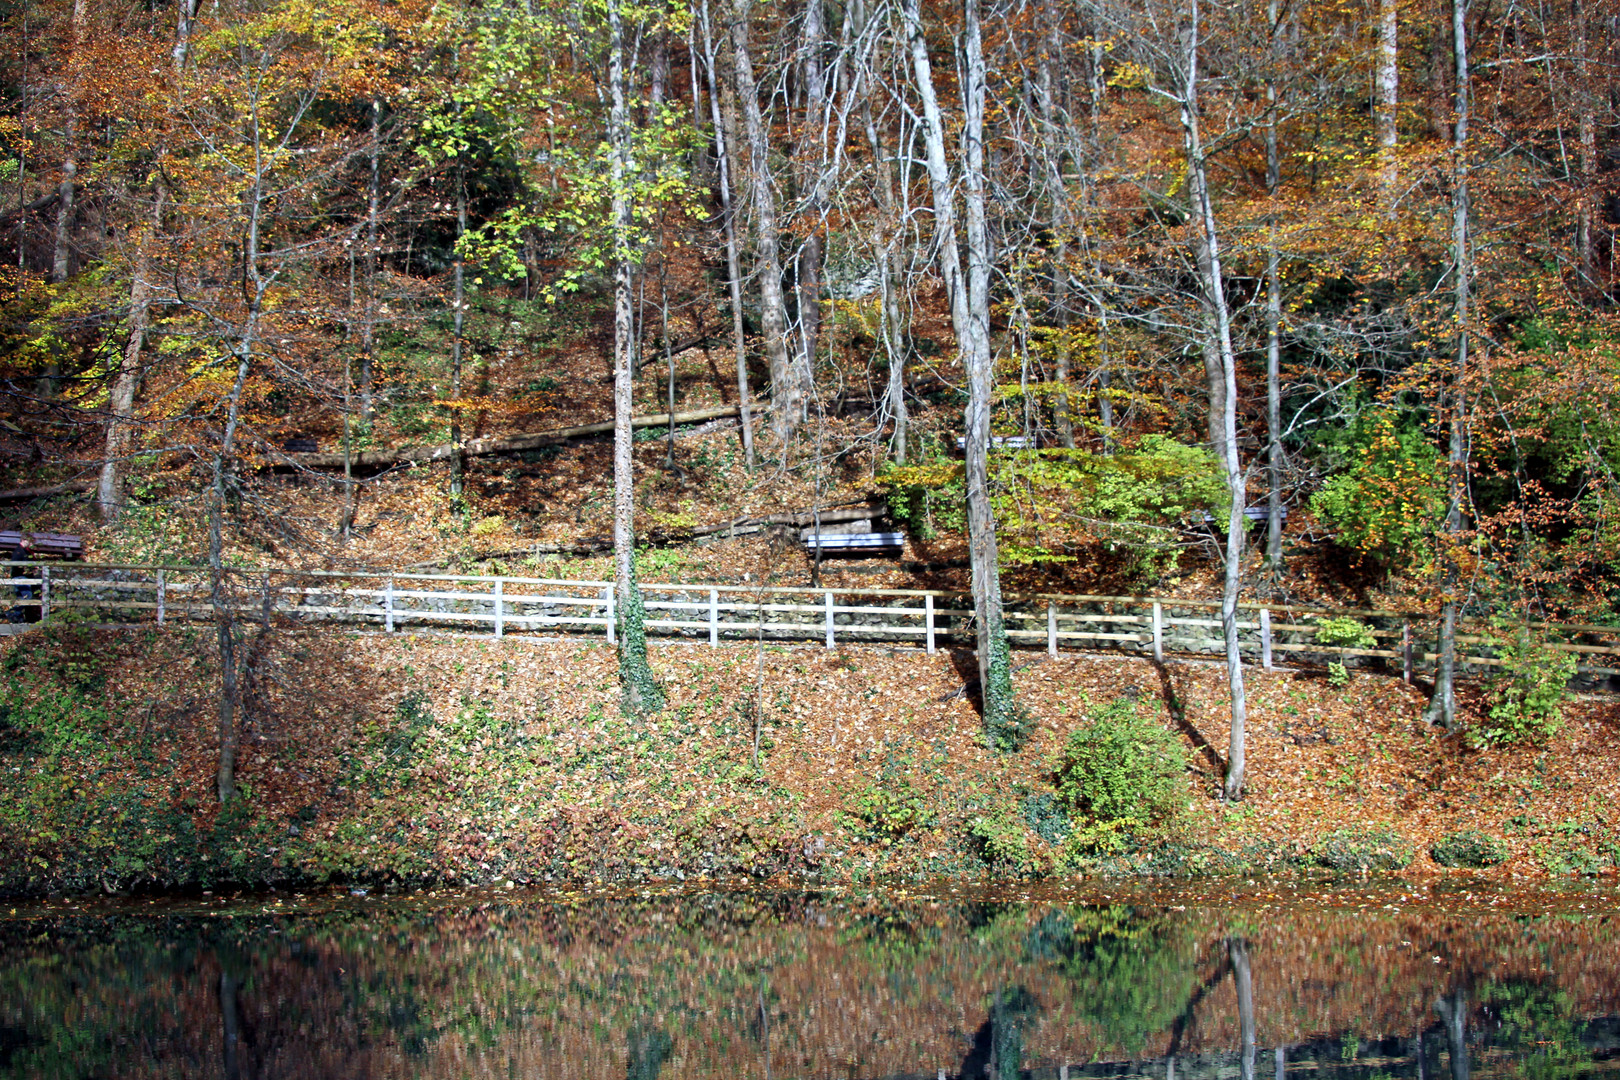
1353 985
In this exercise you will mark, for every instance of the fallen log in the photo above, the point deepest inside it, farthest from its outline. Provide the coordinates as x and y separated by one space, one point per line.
742 526
509 444
71 487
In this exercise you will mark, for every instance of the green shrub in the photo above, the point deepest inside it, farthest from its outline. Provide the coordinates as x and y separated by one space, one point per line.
1469 848
1343 633
888 810
1356 851
1122 767
1527 695
1002 840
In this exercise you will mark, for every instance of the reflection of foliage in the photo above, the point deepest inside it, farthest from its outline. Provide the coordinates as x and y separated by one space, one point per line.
1133 972
649 1046
1539 1027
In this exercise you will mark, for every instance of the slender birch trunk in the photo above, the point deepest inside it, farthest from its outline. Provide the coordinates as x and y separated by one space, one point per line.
1274 449
1443 705
810 252
126 383
728 216
1221 368
640 691
1386 108
970 318
458 319
888 260
787 392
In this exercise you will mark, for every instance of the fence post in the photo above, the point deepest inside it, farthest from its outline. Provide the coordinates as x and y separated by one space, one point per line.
499 605
1265 638
265 607
714 617
829 596
162 588
44 593
1158 632
1406 652
607 596
928 614
1051 628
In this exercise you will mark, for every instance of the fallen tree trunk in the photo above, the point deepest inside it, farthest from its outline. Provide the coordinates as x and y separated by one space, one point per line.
596 545
72 487
510 444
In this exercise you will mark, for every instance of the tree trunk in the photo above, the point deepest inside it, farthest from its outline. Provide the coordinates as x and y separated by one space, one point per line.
641 694
1386 109
1274 451
1443 705
888 261
723 143
1453 1010
458 318
368 325
787 392
810 253
1586 131
1237 952
1221 368
1057 216
127 381
970 318
185 16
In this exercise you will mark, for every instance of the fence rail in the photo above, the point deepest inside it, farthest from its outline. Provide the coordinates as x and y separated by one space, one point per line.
925 618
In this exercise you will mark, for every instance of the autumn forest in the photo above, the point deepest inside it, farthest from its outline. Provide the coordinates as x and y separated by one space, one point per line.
1296 299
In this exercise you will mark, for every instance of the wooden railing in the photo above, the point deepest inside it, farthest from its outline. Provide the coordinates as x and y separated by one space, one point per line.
919 617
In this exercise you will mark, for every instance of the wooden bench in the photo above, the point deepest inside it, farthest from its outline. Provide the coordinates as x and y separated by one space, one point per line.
20 545
860 545
1002 442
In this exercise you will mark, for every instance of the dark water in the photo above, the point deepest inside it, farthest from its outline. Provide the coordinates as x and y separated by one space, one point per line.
1358 986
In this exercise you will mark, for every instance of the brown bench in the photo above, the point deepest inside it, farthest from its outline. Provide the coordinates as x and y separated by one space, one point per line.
38 545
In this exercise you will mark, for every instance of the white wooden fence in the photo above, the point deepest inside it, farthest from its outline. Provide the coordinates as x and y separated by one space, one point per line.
925 618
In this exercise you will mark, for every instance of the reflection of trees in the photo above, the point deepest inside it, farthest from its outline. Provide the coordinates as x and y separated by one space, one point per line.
1132 971
801 986
1538 1027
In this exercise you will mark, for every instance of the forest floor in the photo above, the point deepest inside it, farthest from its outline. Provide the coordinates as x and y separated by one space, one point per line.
393 760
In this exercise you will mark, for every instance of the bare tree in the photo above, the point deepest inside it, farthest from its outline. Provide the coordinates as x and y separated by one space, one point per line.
723 142
788 389
1443 705
1220 363
969 295
641 693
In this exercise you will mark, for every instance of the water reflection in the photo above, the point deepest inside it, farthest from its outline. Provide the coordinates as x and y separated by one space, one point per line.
781 986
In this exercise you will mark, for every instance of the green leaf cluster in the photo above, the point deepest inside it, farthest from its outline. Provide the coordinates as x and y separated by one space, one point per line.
1122 770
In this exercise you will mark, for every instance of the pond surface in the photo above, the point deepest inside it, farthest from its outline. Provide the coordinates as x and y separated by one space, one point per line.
1354 985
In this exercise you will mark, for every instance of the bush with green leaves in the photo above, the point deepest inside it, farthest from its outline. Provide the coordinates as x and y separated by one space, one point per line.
1385 494
1360 851
887 810
1343 633
1469 848
1121 769
1526 696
